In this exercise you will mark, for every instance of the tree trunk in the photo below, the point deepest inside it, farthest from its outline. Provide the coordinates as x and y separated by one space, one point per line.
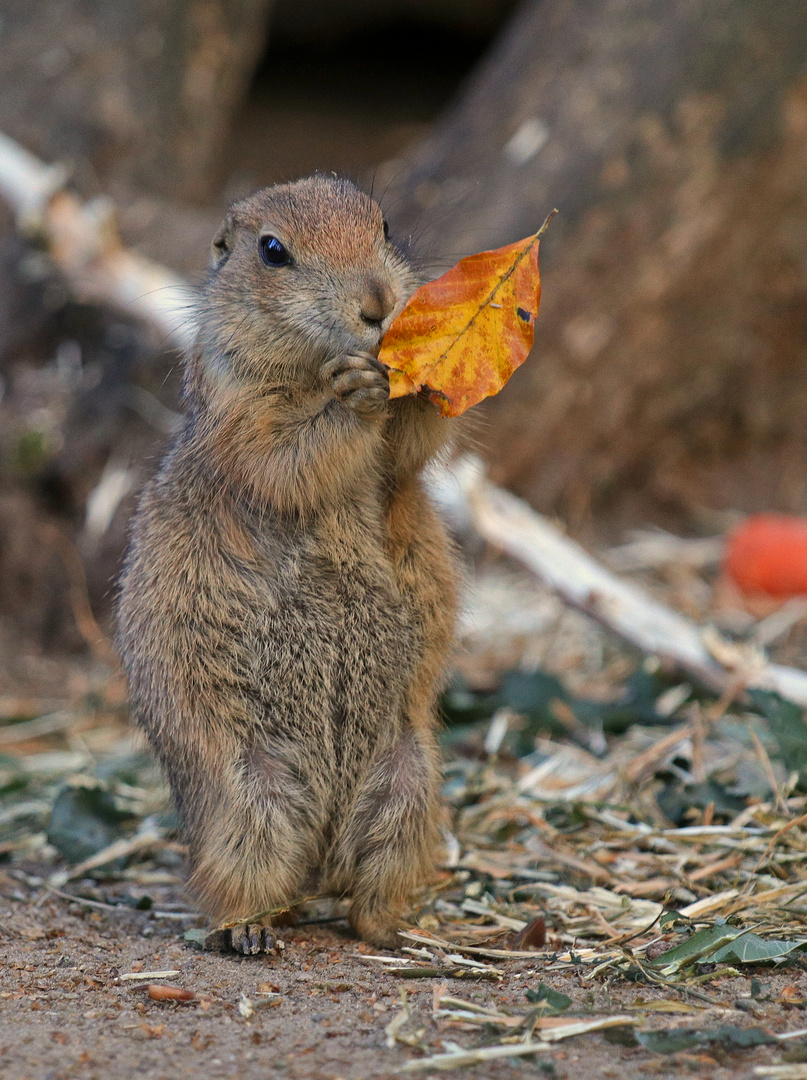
672 135
138 93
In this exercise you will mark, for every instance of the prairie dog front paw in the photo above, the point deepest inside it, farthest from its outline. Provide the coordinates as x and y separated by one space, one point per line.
359 381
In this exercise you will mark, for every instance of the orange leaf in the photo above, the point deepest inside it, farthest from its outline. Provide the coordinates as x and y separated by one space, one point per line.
461 337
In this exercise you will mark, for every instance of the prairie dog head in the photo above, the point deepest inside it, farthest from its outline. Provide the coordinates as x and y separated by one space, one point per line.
300 273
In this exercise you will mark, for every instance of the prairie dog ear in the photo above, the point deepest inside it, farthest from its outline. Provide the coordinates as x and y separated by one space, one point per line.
222 243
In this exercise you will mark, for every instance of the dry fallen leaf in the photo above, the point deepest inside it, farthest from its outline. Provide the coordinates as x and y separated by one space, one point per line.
170 993
790 995
461 337
154 1031
533 936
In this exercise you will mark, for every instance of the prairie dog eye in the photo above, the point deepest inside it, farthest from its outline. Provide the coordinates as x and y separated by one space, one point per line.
273 252
385 226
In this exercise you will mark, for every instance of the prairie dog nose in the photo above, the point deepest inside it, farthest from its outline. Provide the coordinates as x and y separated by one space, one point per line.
377 301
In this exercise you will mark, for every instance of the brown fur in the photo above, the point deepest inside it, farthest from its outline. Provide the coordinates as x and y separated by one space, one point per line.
288 597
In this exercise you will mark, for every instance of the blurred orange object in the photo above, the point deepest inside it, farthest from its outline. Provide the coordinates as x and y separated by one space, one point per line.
767 553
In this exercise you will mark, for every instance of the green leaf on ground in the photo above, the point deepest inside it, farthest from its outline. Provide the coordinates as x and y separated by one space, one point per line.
549 999
84 820
787 725
703 943
195 938
534 695
672 918
676 799
752 949
673 1040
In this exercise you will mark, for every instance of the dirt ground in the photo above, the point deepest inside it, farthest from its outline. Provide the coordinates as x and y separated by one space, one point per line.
319 1012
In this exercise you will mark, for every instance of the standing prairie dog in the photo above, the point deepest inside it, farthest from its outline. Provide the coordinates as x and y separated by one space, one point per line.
288 598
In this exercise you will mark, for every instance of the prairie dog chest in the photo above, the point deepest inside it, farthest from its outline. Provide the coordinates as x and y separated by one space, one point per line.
337 601
351 560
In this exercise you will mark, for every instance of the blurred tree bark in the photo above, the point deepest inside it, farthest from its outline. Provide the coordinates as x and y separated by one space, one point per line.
672 135
135 93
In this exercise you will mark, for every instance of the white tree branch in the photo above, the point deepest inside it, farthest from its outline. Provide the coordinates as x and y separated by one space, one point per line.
509 524
83 241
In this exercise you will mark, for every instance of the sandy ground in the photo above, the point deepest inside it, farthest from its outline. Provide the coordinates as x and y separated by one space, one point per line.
319 1011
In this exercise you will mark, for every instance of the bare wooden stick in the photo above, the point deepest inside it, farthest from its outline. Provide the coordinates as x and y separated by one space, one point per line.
512 526
83 241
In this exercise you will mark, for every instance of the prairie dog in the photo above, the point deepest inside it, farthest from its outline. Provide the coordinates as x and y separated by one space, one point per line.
288 598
